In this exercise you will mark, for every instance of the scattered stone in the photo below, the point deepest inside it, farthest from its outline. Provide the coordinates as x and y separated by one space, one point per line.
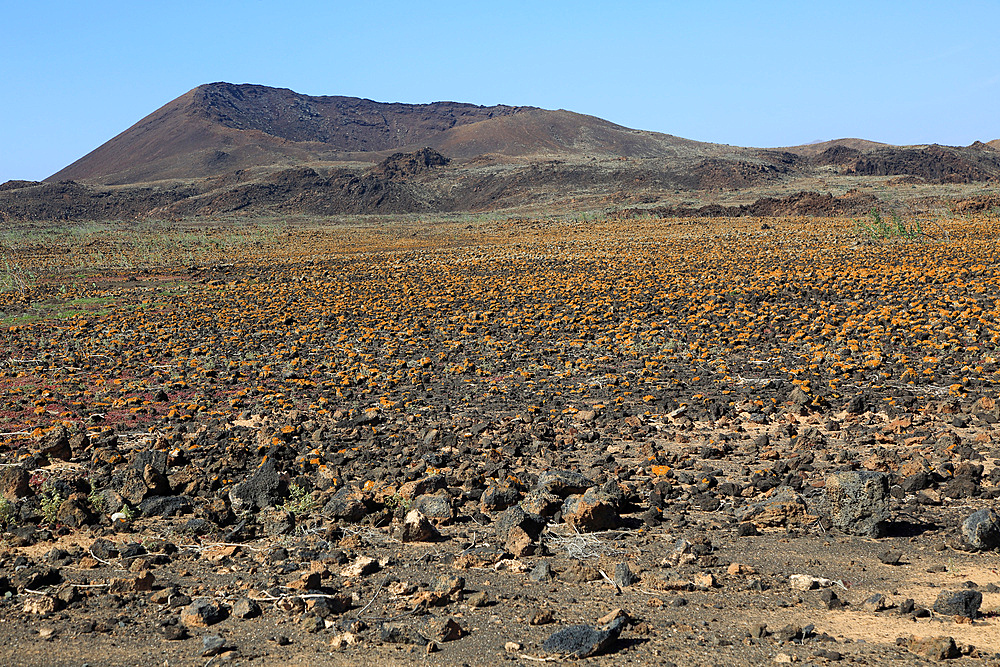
859 502
579 573
416 528
958 603
202 613
519 530
212 645
542 572
829 654
788 633
260 490
737 569
618 615
479 599
807 582
435 506
35 577
445 629
344 639
933 648
784 508
349 504
829 600
56 444
310 581
246 608
563 483
590 512
398 633
582 641
542 618
705 580
624 577
362 567
875 603
982 529
496 498
165 506
541 503
133 584
890 557
14 482
486 556
41 605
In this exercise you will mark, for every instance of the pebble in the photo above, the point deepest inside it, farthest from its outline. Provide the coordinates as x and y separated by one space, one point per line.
212 645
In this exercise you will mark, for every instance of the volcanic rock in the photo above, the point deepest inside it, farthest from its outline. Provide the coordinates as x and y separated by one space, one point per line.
262 489
859 502
583 641
202 613
958 603
982 529
416 528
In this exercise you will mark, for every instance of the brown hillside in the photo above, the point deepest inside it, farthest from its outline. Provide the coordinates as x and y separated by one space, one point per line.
561 132
811 150
220 127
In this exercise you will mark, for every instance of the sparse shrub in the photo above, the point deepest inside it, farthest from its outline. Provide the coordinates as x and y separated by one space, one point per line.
6 512
300 501
98 502
50 502
14 277
878 229
396 503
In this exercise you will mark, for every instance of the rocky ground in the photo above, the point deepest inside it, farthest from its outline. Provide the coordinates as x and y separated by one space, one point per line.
640 442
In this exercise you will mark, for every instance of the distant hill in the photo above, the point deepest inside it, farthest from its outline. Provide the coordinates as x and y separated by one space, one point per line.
223 148
811 150
221 127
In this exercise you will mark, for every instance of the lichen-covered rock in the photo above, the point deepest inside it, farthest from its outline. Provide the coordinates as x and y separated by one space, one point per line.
858 502
982 529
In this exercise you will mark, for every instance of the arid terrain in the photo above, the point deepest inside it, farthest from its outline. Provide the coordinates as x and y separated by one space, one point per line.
248 150
295 380
500 440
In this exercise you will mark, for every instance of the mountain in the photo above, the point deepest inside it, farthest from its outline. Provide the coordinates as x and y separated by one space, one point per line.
221 127
224 149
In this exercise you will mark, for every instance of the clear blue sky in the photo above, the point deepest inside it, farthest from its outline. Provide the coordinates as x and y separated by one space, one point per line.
751 73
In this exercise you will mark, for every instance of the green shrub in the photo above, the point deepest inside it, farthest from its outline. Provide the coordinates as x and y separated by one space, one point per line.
300 501
50 502
878 229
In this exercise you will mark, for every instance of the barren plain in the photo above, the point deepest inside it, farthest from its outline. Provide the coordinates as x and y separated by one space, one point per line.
499 441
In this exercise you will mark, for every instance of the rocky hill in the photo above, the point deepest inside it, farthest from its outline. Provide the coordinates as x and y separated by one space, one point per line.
224 148
220 127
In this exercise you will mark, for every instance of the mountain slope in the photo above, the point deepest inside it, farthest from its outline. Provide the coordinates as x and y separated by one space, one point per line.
220 127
